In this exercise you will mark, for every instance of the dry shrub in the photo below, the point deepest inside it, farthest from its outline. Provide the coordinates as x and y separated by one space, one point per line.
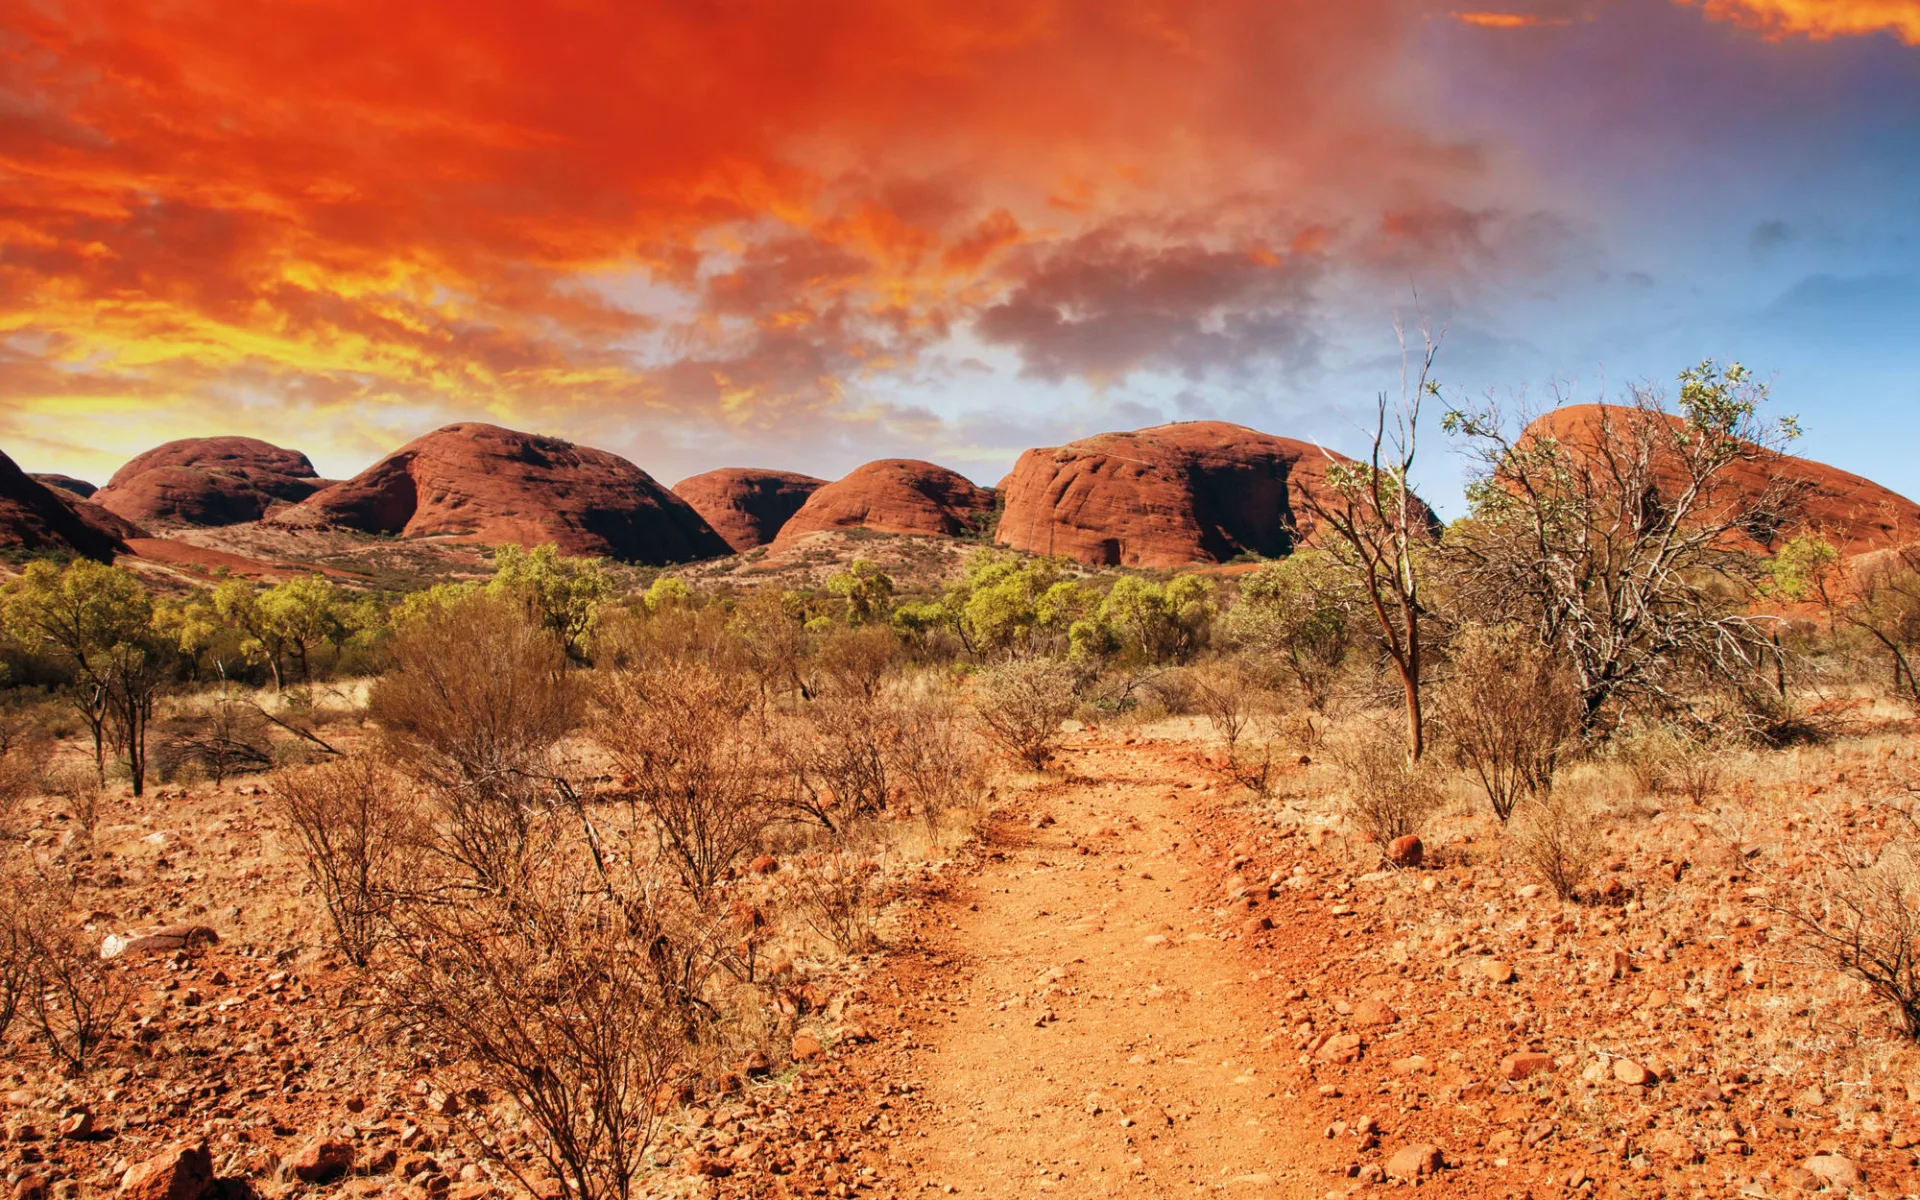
695 757
230 737
937 760
476 704
1021 704
836 894
1697 775
1510 709
80 793
575 1003
1559 838
1387 796
1241 706
359 834
1859 914
1651 755
69 995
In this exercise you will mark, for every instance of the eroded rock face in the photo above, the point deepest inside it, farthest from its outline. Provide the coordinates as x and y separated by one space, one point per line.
747 507
1855 514
209 481
66 483
1197 491
894 495
492 485
35 517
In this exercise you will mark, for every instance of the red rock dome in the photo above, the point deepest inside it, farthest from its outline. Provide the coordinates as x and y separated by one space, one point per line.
35 517
1197 491
747 507
491 485
894 495
208 481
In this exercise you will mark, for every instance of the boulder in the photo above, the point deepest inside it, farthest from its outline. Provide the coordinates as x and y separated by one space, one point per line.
1197 491
747 507
894 495
1411 1162
321 1160
1525 1063
1631 1073
208 481
491 485
164 940
183 1171
1407 851
34 516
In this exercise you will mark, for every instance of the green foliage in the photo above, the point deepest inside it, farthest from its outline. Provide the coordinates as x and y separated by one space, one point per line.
1801 565
667 592
1302 610
1160 622
1007 605
867 590
284 624
562 592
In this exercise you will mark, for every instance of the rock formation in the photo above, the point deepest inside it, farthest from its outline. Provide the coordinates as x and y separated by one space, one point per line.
894 495
745 506
1856 514
209 481
66 483
492 485
35 517
1197 491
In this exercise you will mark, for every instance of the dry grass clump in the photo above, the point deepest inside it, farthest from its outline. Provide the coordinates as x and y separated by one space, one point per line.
1022 705
1510 708
1857 911
1386 796
1558 836
1244 712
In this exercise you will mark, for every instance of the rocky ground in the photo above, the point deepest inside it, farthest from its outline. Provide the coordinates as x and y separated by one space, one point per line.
1138 980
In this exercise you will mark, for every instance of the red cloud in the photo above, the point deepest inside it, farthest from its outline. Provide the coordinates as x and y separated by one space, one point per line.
737 210
1821 19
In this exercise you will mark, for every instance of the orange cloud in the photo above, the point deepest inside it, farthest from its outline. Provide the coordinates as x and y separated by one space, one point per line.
1821 19
362 217
1507 20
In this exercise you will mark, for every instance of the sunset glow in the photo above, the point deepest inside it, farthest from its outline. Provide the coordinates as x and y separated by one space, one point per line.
699 234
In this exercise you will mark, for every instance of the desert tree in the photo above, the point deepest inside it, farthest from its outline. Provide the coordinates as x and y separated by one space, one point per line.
1627 536
563 593
1300 611
1367 514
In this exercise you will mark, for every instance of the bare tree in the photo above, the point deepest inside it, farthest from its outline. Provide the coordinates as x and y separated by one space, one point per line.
693 756
357 832
1379 527
1625 535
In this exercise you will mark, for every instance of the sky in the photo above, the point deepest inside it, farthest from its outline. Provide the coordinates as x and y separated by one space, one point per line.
777 233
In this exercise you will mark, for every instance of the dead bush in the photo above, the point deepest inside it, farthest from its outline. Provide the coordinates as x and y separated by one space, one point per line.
937 759
1859 914
1022 704
694 757
71 997
1697 775
477 702
836 894
358 834
229 737
1559 839
1241 706
574 1003
1509 709
1651 756
1387 796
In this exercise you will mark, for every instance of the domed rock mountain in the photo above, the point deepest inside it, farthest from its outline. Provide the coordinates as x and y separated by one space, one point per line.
208 482
486 484
894 495
1168 496
747 507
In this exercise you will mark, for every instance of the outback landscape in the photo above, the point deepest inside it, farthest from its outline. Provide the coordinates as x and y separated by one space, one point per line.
1195 811
1005 599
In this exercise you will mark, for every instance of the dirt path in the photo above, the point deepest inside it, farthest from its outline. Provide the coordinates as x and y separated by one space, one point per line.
1091 1033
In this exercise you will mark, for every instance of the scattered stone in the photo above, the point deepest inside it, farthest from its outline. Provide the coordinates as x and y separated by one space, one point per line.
1371 1012
1411 1162
1835 1170
183 1171
1407 851
1631 1073
320 1161
806 1047
1524 1064
1497 970
77 1125
1345 1048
